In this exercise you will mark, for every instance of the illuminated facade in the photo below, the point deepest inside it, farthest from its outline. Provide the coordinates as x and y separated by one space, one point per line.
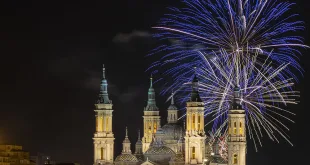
14 155
104 137
151 119
195 136
236 132
171 144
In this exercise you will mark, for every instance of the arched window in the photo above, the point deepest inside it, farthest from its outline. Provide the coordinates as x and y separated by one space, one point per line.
193 153
155 127
240 129
235 159
107 124
235 128
150 128
101 153
199 122
97 123
193 125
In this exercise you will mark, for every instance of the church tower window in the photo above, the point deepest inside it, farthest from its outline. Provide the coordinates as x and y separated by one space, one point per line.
193 125
193 153
235 159
107 124
155 127
101 152
96 123
235 128
240 129
199 122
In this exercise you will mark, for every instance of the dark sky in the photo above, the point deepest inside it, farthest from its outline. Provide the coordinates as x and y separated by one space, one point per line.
50 67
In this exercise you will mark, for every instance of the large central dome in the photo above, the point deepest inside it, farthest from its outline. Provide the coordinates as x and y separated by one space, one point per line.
173 131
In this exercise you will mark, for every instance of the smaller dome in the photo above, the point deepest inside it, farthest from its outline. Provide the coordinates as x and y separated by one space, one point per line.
126 158
159 150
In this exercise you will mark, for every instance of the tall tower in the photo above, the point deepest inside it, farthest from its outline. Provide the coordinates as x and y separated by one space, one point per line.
103 137
172 112
151 119
236 132
195 134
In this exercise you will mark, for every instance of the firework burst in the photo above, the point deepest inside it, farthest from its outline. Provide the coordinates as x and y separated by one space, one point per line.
248 44
233 25
264 91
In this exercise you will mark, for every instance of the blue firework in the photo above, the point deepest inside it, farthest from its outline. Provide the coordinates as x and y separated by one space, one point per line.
252 44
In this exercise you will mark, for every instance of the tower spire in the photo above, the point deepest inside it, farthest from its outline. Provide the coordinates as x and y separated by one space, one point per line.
195 94
151 103
236 100
172 100
139 138
151 81
104 96
126 133
103 71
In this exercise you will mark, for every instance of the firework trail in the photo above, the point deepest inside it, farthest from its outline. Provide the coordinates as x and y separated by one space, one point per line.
248 44
264 89
234 25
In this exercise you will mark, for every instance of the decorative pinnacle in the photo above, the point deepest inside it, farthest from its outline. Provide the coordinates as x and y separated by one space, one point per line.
139 138
151 81
126 133
103 96
172 100
103 71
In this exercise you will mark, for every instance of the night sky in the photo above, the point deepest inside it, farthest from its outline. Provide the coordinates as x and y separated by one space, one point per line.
51 61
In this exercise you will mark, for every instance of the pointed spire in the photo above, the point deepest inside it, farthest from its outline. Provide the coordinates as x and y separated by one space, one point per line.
126 136
195 94
172 106
172 100
139 138
103 71
104 96
151 81
151 103
237 97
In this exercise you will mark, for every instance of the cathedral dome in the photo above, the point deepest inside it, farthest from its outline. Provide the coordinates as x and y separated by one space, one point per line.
126 158
161 155
159 150
173 131
140 157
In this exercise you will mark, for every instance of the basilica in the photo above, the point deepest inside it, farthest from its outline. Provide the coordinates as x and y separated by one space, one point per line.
173 143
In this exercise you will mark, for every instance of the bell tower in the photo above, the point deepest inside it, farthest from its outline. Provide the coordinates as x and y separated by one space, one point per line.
195 135
103 137
151 119
236 132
